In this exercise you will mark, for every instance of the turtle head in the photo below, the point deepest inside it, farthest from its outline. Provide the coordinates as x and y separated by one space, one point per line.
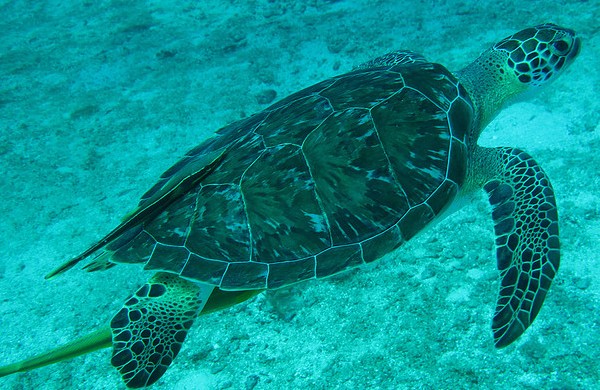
538 54
527 59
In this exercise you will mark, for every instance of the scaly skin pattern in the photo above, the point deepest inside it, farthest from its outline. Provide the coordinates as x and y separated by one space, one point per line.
518 63
527 244
150 328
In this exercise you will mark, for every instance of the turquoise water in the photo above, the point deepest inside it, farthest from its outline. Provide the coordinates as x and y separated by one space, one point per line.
97 99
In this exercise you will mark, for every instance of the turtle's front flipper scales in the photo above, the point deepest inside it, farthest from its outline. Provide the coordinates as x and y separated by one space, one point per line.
527 244
150 328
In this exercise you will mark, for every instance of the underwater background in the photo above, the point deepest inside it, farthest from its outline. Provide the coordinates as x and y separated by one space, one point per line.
98 98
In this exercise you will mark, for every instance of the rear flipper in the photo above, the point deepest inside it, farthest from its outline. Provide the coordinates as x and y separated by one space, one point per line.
527 244
148 331
103 338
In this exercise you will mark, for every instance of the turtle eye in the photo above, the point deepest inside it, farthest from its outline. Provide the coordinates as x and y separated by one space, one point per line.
560 47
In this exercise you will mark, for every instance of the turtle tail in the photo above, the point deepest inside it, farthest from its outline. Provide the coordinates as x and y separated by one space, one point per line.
107 336
94 341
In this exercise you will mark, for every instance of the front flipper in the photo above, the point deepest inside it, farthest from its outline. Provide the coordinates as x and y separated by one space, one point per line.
149 330
527 244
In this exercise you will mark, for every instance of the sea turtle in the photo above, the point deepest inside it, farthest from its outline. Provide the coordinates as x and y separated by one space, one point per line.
329 178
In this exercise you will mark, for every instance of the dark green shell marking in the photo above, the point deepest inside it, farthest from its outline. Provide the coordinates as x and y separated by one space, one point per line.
329 178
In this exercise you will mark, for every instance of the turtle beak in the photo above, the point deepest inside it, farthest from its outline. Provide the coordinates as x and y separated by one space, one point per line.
576 47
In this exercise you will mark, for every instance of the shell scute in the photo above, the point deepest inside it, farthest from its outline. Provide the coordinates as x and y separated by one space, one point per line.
414 132
245 276
358 193
218 228
438 201
331 177
382 244
170 227
172 258
415 220
235 163
460 118
457 162
433 81
201 269
292 123
285 218
362 89
337 259
282 274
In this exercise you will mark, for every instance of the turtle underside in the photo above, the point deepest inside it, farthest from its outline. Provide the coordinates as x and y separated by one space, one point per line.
331 177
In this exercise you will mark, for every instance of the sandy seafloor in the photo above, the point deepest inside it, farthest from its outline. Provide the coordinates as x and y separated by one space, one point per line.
97 98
